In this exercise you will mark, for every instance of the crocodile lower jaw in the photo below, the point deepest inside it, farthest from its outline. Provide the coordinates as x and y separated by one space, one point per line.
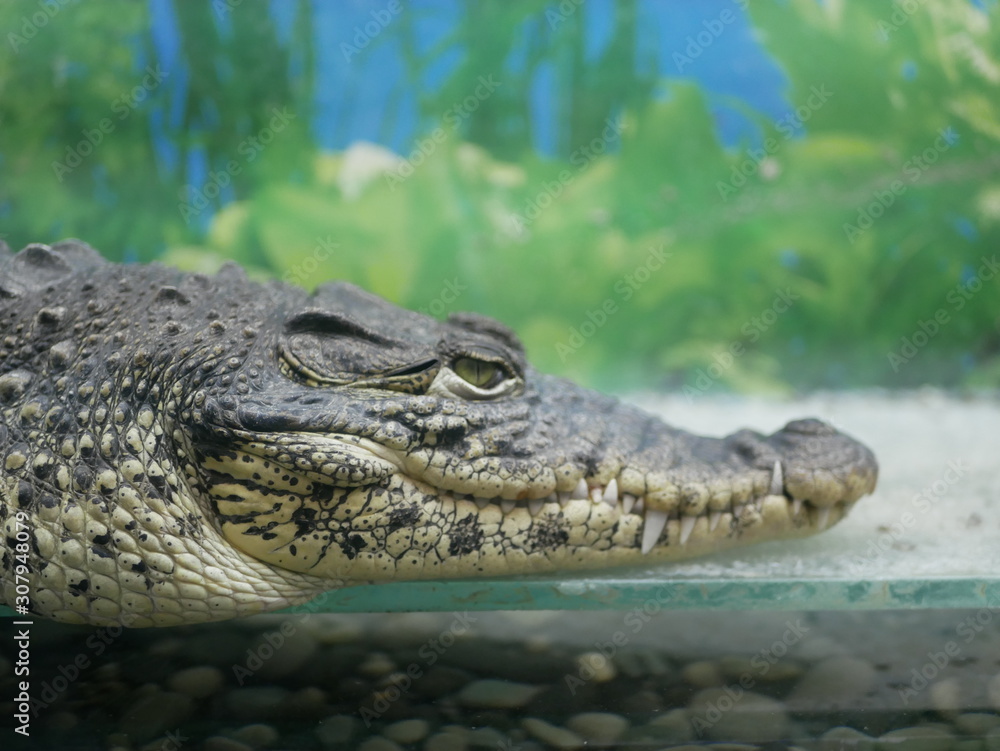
737 515
801 514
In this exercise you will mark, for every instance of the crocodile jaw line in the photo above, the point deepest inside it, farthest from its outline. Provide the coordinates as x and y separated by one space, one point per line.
589 491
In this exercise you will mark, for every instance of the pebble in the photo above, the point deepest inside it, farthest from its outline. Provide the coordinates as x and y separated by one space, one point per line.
407 731
552 735
290 656
596 667
508 663
497 694
159 744
62 722
818 648
197 682
337 729
306 704
377 743
636 663
598 727
328 631
119 740
734 714
946 696
993 691
257 735
758 669
377 664
222 743
703 674
487 738
976 723
155 714
441 680
641 702
255 703
918 739
673 725
831 684
445 742
846 739
221 647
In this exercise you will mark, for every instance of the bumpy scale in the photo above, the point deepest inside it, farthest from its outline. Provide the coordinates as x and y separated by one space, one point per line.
177 448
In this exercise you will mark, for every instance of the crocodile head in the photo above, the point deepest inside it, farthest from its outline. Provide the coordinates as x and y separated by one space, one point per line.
215 447
371 443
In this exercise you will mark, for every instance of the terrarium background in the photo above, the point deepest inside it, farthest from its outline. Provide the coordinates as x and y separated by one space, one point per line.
699 88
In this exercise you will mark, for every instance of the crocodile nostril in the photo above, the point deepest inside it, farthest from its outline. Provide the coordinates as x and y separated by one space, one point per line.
809 426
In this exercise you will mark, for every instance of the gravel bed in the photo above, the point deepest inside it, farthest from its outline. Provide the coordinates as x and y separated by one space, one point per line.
876 680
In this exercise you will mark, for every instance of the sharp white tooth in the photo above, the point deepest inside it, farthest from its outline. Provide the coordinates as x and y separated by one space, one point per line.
628 501
796 506
482 502
713 520
507 506
563 498
687 527
822 518
611 493
535 506
738 510
596 494
580 492
640 507
653 528
777 480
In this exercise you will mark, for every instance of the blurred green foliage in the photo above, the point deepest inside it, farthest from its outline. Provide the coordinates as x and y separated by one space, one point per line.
647 255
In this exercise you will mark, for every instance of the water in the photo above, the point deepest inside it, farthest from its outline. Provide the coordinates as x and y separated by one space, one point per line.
523 681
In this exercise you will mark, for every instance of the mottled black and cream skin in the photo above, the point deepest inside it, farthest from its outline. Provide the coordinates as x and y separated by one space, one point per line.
177 448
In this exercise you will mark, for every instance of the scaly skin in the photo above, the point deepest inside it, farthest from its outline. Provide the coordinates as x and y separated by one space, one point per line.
177 448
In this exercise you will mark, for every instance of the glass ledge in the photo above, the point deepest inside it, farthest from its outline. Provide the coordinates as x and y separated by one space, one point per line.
928 538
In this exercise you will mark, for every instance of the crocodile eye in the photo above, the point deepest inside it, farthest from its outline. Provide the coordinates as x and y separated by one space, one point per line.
475 379
479 373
